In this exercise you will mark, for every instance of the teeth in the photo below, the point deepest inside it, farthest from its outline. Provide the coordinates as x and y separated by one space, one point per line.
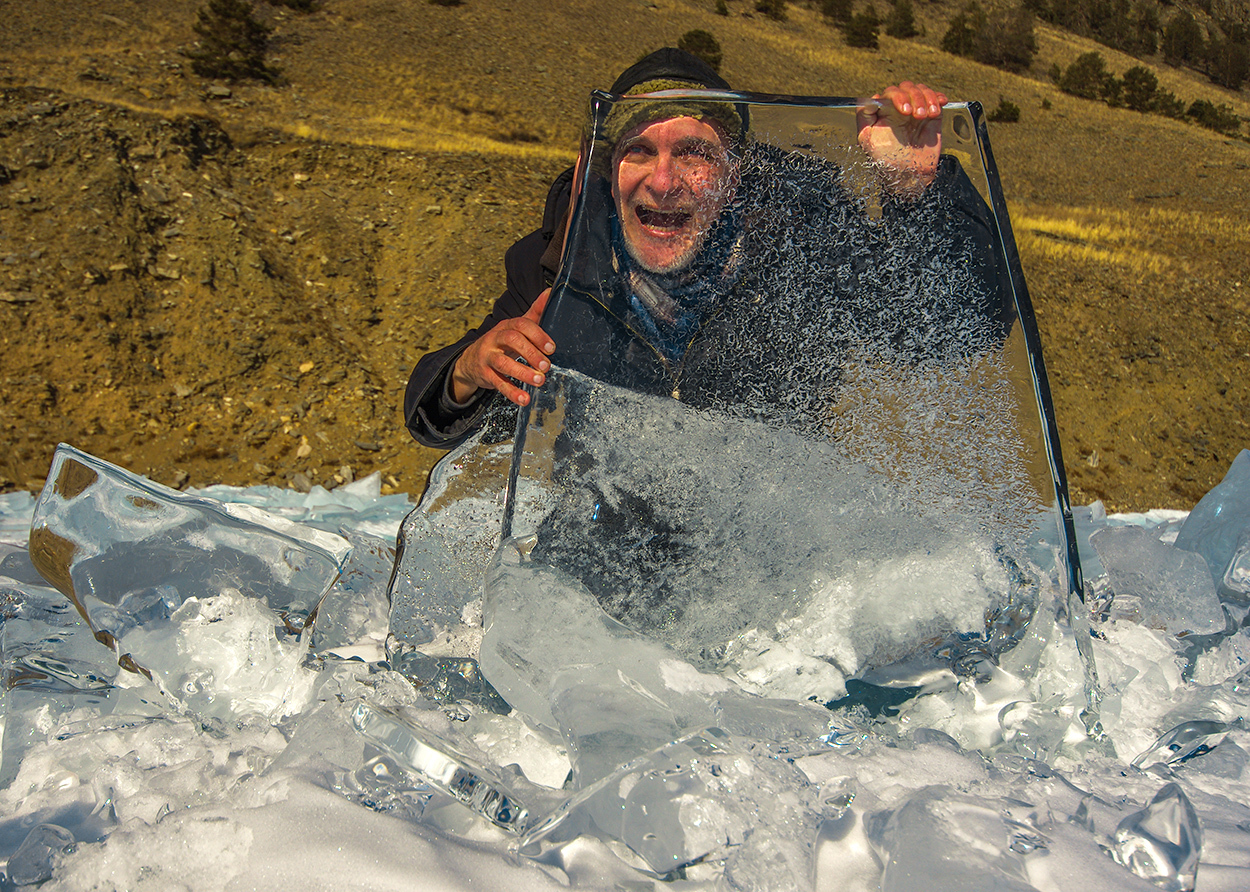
663 219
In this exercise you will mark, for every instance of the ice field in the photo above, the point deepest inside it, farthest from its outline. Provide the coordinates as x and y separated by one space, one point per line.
261 766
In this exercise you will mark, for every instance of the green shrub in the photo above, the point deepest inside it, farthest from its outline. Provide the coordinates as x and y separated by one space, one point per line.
901 22
774 9
1182 40
1168 105
1006 113
1228 63
1141 89
702 44
1006 40
960 38
1086 77
863 29
1216 117
837 11
232 43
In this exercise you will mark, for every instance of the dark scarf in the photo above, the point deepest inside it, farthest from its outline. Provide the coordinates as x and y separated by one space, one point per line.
669 310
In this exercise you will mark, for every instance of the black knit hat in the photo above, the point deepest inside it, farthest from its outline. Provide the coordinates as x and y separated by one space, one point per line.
666 69
669 64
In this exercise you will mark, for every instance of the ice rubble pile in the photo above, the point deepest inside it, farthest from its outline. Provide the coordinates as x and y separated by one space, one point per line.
739 790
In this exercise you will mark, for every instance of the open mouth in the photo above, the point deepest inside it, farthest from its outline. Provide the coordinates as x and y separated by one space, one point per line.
663 220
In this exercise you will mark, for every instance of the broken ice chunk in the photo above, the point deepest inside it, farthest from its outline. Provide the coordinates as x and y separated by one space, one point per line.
32 862
441 765
941 840
354 610
708 796
1219 529
447 542
1184 741
1162 842
128 551
1174 586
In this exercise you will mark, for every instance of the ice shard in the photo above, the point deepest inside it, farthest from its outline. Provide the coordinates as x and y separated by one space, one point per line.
152 571
33 860
1160 585
1219 529
1162 842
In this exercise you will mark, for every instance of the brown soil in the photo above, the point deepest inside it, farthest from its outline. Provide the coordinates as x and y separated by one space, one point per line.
206 288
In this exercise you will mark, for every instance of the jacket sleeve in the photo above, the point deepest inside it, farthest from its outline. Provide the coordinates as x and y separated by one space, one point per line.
430 411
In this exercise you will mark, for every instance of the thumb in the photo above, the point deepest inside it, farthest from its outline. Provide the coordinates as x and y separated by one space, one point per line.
535 312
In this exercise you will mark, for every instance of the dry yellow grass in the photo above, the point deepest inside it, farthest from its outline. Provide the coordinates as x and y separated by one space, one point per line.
1138 242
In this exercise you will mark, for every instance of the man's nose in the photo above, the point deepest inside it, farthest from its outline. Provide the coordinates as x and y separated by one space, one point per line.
666 176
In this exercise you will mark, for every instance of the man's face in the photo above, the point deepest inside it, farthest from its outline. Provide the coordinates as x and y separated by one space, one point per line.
672 179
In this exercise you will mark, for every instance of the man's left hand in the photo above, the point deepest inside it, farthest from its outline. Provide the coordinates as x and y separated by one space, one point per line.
903 135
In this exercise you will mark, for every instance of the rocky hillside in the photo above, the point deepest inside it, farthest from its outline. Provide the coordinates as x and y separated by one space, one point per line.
220 282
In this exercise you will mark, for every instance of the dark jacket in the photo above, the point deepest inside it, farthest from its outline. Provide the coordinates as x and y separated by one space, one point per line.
531 264
794 275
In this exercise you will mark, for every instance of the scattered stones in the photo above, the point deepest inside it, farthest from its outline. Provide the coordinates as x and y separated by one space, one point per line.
300 483
158 271
263 469
434 210
367 445
345 475
306 367
217 91
17 297
155 193
181 479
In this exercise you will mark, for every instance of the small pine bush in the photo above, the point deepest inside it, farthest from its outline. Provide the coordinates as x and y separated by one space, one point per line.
901 22
960 38
1141 89
863 29
702 44
232 43
1086 77
1006 113
1182 40
1215 117
1006 40
1228 63
1168 105
837 11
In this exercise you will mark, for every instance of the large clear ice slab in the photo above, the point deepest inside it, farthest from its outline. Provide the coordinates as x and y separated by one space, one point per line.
840 456
159 575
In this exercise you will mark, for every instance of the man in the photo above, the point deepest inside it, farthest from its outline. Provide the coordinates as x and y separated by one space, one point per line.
670 181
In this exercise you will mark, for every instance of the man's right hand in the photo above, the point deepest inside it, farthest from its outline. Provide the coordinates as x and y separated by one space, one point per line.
493 361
